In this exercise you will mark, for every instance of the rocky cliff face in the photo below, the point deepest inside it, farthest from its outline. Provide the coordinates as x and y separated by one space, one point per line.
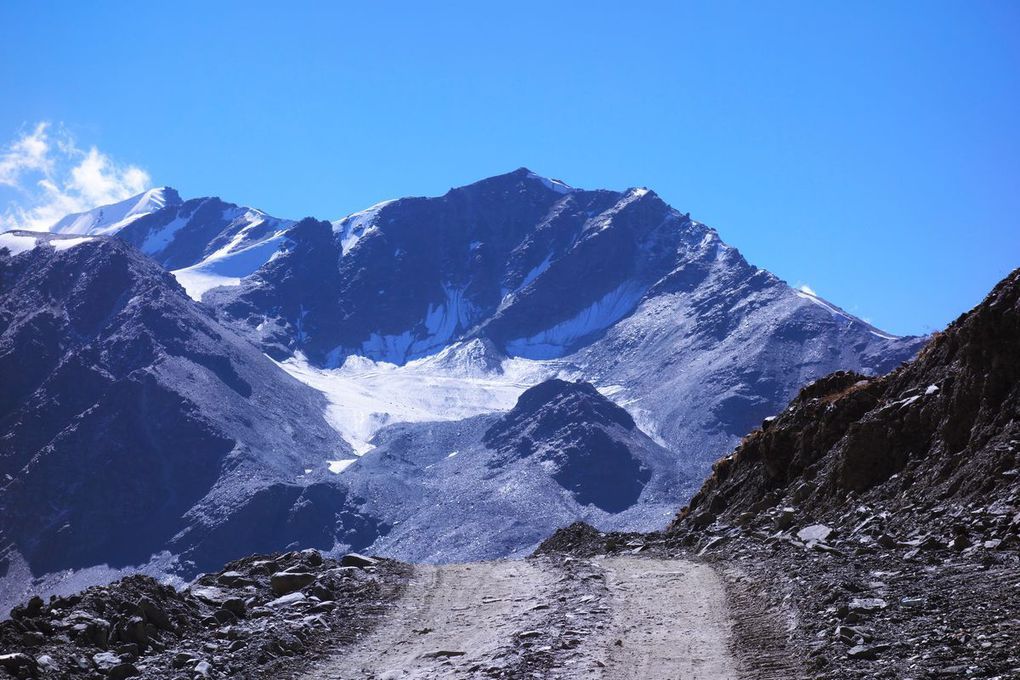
933 448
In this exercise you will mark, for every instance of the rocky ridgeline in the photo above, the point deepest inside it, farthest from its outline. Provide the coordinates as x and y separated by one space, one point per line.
885 513
259 617
928 455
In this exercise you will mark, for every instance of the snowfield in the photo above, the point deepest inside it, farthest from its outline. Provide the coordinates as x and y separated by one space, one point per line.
365 395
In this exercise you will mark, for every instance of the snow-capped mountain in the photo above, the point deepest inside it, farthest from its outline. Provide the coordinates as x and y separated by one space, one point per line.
617 288
516 344
205 242
109 219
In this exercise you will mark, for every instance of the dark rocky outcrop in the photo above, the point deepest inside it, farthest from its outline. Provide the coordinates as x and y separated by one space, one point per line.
573 430
928 445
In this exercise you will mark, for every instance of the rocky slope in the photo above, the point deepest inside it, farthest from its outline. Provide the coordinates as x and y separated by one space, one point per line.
134 424
935 444
496 485
264 616
887 511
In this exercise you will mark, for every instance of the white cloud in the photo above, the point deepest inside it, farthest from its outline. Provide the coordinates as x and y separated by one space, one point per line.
804 288
45 175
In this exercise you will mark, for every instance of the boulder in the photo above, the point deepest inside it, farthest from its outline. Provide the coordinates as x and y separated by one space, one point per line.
867 652
284 582
154 614
357 560
814 533
104 661
286 601
123 670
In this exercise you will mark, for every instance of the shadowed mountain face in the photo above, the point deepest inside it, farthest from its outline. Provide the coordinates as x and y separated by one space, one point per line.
132 422
941 432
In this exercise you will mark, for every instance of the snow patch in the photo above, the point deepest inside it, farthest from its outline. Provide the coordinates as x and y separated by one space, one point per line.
603 313
364 395
355 226
338 466
160 239
109 219
16 244
66 243
228 265
442 322
554 184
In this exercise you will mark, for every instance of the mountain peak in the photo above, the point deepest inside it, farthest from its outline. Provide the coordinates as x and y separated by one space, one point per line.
108 219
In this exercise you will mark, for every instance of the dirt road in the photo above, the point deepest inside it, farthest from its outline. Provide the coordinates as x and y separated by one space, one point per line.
613 618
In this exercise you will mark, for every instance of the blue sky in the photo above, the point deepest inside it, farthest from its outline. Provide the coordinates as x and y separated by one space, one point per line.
868 150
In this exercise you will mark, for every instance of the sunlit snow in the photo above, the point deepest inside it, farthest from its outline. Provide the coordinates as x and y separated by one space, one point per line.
365 396
16 243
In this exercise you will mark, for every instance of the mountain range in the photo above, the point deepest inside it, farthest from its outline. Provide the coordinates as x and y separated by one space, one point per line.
448 378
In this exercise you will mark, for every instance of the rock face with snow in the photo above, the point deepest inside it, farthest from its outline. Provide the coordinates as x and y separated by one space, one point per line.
204 241
616 288
497 484
133 423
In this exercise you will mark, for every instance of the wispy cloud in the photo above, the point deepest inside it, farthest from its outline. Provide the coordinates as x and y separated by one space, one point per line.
804 288
45 175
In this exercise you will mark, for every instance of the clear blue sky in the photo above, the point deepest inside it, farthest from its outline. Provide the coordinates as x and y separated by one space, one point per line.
869 150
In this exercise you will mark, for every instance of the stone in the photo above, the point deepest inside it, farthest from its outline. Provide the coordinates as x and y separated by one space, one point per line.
801 493
123 670
233 579
866 652
154 615
312 557
284 582
210 594
104 661
960 542
225 616
866 605
203 669
442 654
357 560
912 602
286 601
133 630
850 634
17 661
235 606
815 532
887 541
784 518
46 662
